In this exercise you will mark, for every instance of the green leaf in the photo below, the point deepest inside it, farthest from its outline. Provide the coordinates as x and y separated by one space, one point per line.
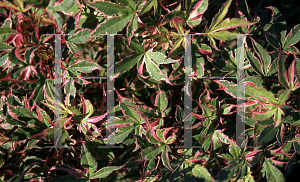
129 111
14 59
73 47
127 63
235 151
199 171
133 26
63 6
153 69
165 158
83 66
266 115
273 174
176 173
5 32
104 172
124 134
174 14
12 121
229 24
24 133
281 71
152 152
187 174
109 8
129 3
161 101
279 25
220 15
263 55
283 97
3 59
135 46
9 5
271 38
114 25
199 9
80 37
59 20
266 135
262 92
69 178
89 109
149 112
88 161
160 58
230 171
200 62
222 35
148 6
293 37
38 95
4 46
70 88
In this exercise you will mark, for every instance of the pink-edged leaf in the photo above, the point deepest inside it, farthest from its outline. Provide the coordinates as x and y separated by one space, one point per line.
250 155
96 119
165 158
72 171
230 24
151 129
161 101
118 126
83 104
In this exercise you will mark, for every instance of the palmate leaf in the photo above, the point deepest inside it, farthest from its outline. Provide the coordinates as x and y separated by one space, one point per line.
220 15
116 24
261 92
218 28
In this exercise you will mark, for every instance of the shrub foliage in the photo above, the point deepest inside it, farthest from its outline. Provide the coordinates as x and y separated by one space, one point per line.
149 86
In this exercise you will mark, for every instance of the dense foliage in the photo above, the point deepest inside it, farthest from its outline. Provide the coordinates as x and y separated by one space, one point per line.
149 87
